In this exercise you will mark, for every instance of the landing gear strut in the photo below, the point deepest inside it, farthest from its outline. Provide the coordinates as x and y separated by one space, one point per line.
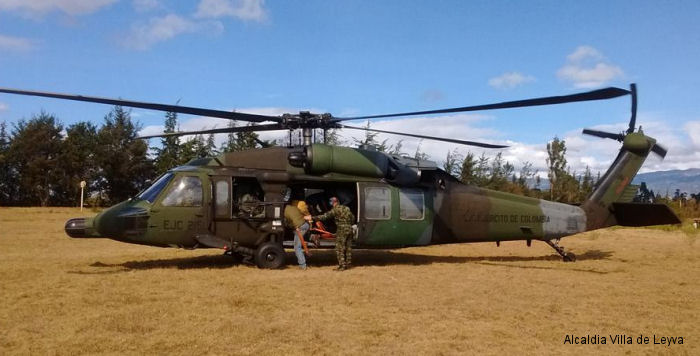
240 254
567 257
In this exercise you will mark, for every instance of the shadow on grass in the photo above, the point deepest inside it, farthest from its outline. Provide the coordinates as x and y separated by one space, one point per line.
360 258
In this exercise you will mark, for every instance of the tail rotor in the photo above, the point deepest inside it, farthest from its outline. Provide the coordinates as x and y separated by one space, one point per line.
621 137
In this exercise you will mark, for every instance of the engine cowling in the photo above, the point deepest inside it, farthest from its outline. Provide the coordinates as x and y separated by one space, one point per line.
321 159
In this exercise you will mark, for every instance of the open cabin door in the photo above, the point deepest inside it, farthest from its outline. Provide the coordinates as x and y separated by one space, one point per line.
238 210
392 216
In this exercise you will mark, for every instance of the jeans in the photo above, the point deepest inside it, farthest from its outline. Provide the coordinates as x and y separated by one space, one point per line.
298 249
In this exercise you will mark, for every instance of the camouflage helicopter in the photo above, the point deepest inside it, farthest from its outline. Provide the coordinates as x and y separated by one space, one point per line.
235 201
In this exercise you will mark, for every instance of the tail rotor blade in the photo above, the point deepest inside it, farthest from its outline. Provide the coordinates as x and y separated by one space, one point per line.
633 118
603 134
659 150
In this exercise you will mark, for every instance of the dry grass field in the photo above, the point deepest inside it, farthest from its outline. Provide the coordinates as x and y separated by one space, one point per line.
67 296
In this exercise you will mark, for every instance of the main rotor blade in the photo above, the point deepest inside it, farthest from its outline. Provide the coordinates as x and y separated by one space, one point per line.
633 116
600 94
152 106
461 142
659 150
250 128
603 134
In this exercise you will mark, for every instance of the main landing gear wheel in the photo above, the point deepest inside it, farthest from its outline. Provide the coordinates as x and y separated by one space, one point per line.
270 256
569 257
566 256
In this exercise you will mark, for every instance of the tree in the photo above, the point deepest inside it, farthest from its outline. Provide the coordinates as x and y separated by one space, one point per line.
211 146
644 195
168 155
370 140
419 154
240 141
561 181
33 158
8 181
333 138
451 164
586 184
123 161
194 148
499 173
77 162
467 170
526 173
481 171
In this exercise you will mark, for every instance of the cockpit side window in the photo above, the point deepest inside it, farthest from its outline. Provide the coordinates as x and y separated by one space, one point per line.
185 191
152 192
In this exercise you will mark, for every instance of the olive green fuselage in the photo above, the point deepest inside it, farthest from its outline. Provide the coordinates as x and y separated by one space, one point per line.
394 207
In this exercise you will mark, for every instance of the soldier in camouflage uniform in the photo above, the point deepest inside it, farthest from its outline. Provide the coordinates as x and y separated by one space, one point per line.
343 236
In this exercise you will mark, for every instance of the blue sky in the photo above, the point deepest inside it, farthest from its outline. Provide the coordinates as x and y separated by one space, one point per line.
368 57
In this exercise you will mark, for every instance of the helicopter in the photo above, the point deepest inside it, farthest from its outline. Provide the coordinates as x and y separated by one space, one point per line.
235 201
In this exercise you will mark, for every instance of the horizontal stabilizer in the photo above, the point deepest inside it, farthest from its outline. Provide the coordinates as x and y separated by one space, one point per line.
640 214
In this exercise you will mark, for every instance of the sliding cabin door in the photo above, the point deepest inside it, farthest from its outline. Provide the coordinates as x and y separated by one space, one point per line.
392 216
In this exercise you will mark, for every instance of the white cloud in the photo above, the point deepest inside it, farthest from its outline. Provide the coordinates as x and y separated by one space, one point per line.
693 130
16 44
3 107
145 5
160 29
510 80
249 10
586 67
38 8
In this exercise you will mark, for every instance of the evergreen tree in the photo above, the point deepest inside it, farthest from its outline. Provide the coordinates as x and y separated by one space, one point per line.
123 161
561 182
33 158
77 163
586 184
8 182
168 155
419 154
468 170
481 170
396 149
333 138
211 146
230 144
370 140
499 173
240 141
526 173
451 164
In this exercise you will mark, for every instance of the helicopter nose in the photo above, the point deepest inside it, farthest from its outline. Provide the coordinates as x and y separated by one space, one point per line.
81 228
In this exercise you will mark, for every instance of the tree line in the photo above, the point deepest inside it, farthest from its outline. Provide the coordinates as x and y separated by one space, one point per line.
42 162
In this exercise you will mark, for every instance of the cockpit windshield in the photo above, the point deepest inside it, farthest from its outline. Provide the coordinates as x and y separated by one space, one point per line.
152 192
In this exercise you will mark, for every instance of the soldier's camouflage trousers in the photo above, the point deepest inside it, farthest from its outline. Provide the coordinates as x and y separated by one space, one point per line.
343 245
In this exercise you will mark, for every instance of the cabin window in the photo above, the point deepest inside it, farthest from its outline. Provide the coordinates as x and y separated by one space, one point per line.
411 204
185 191
377 203
223 198
152 192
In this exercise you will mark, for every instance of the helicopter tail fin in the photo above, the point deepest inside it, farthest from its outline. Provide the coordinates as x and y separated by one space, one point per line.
610 202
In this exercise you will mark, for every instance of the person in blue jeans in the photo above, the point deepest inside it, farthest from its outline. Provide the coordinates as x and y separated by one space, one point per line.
295 220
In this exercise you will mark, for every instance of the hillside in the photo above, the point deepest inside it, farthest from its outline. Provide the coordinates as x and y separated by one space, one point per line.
668 181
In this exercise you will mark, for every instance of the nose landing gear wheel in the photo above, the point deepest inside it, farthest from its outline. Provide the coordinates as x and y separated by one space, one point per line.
270 255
